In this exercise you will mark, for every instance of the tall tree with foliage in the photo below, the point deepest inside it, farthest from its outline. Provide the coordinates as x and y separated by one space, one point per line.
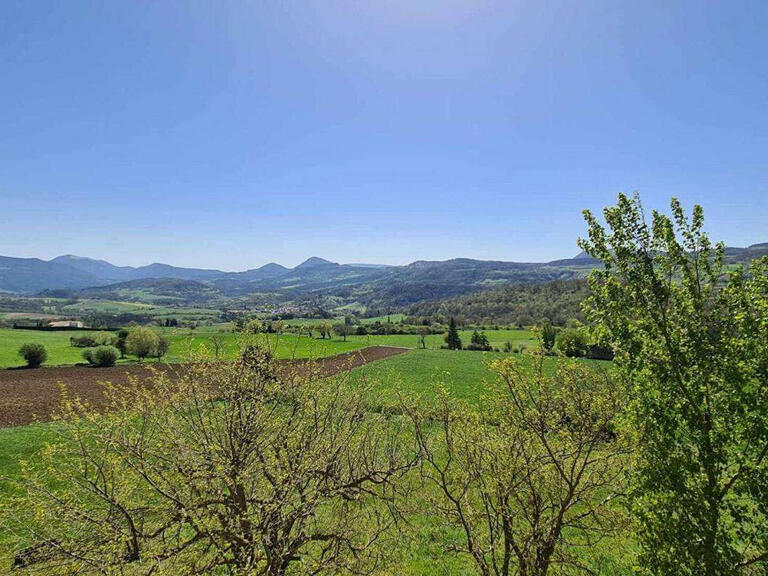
452 338
692 339
529 480
548 335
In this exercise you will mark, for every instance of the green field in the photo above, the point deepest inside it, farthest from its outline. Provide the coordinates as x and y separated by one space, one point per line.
185 343
465 374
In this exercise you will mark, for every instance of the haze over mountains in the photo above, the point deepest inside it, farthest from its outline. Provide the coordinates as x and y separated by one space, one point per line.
421 280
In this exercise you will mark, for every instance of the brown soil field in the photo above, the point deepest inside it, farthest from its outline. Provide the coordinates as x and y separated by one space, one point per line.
28 396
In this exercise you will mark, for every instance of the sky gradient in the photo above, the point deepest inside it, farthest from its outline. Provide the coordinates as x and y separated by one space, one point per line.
231 134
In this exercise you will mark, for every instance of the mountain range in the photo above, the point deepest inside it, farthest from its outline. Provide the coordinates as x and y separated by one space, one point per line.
365 283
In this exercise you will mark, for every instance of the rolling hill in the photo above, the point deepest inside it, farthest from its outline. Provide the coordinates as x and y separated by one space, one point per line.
369 284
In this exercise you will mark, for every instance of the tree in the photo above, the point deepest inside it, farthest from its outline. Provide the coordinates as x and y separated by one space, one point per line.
142 342
342 330
529 479
122 335
479 341
548 335
452 338
218 342
227 469
693 340
33 354
423 333
161 348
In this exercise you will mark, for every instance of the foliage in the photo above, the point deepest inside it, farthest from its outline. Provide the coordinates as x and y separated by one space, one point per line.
229 469
101 356
33 354
92 339
693 341
452 338
573 342
479 341
342 330
548 335
529 478
142 342
515 304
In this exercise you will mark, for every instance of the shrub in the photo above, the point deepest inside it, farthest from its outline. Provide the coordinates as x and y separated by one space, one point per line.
102 356
573 342
33 354
479 341
82 342
507 346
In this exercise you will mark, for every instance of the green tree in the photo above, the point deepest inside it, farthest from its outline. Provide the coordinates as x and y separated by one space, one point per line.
342 330
548 335
229 468
142 342
34 354
122 335
693 341
452 338
528 481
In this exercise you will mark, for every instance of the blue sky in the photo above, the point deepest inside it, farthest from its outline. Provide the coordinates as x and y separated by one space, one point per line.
230 134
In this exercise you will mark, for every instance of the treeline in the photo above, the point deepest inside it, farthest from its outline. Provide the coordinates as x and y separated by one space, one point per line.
516 304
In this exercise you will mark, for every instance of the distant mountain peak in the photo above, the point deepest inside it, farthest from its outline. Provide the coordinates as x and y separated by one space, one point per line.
315 262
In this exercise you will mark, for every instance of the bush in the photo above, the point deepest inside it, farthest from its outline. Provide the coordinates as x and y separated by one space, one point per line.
82 342
573 342
33 354
102 356
479 341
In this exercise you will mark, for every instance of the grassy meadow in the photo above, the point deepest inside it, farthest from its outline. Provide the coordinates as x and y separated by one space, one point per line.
186 343
465 374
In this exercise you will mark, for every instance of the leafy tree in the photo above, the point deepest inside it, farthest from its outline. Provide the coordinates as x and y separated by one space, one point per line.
479 341
548 335
161 349
218 343
122 335
33 354
452 338
342 330
693 341
423 332
528 480
227 469
142 342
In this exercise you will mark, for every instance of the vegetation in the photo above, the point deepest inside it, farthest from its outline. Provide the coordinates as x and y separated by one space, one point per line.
548 335
228 469
101 356
693 341
517 304
528 479
452 339
142 342
33 354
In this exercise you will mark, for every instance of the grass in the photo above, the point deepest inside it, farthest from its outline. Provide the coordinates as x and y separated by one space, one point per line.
185 342
465 374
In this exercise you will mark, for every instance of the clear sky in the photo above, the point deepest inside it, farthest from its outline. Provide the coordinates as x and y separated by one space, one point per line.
230 134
